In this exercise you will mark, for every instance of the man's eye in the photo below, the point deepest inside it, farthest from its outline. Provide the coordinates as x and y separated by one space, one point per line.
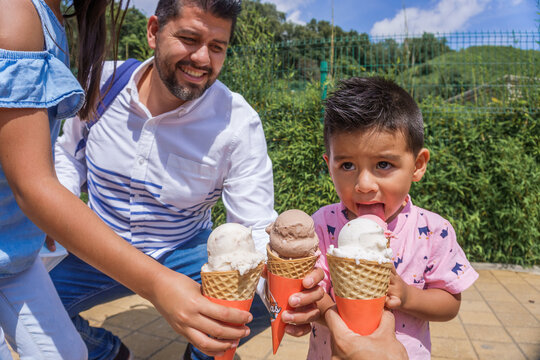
384 165
347 166
188 40
217 49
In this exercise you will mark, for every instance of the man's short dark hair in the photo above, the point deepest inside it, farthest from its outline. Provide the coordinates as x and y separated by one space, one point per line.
224 9
373 103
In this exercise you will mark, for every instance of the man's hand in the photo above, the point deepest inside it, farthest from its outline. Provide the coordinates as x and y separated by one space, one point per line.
50 243
203 323
305 310
347 345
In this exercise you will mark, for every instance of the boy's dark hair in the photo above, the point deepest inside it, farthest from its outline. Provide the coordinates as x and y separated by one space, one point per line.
225 9
373 103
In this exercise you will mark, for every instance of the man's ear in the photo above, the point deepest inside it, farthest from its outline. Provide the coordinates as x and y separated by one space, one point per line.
152 29
420 164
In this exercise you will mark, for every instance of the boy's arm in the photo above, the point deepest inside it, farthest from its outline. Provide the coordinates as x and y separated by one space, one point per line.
428 304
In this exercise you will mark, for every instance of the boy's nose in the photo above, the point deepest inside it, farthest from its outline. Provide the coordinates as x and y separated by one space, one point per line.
365 183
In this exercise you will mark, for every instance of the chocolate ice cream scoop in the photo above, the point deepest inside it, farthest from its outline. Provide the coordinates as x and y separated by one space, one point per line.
293 235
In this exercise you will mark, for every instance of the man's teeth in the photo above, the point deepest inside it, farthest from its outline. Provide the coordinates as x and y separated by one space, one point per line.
193 72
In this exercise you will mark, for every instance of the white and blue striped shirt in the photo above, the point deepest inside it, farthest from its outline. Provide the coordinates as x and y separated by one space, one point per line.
154 179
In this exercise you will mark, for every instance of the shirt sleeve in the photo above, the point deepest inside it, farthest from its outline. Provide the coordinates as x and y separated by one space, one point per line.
69 155
248 189
449 268
38 80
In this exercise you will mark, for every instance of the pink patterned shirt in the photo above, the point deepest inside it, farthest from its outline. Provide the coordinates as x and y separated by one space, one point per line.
426 255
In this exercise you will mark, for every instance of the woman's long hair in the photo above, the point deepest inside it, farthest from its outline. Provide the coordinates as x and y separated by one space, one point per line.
94 37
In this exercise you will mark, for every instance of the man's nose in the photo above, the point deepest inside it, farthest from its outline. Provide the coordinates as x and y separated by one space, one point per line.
201 56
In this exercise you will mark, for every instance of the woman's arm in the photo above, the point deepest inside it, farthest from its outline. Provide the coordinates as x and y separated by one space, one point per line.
26 159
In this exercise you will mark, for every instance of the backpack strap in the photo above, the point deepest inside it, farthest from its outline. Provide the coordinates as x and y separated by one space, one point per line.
116 84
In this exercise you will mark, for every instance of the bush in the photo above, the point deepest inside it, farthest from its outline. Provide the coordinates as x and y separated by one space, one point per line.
483 174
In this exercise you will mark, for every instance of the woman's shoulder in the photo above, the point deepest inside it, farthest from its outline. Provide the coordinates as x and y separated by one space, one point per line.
20 26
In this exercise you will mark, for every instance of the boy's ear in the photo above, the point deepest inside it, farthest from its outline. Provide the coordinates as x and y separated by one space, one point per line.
325 157
420 164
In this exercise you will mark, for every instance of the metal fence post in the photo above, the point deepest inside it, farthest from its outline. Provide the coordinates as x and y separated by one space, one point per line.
324 74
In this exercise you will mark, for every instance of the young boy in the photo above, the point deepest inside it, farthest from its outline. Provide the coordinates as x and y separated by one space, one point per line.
374 138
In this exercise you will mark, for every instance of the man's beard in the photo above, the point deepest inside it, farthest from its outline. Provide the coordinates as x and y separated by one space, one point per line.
183 92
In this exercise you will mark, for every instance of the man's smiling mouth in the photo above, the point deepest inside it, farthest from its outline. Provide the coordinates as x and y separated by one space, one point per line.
192 72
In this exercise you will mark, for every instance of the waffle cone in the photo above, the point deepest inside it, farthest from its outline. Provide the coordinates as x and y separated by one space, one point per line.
365 280
293 268
230 285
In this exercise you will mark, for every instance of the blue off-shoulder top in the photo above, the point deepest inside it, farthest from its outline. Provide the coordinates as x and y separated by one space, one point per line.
40 79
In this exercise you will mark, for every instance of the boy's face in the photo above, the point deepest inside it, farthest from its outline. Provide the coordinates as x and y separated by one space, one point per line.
372 171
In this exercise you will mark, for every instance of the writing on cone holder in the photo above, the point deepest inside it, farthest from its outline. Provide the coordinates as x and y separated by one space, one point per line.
280 288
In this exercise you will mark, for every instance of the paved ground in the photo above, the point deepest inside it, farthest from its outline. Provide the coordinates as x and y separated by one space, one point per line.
499 319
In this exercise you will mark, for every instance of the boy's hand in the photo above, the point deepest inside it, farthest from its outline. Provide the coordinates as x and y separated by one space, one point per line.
203 323
397 291
305 310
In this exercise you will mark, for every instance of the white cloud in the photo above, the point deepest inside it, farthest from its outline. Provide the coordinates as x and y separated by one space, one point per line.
294 17
293 8
147 7
445 16
289 6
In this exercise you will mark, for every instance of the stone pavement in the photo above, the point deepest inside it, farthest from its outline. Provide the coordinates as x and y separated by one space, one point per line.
499 319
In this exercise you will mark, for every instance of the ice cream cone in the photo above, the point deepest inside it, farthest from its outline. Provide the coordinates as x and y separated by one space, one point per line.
284 279
231 289
360 287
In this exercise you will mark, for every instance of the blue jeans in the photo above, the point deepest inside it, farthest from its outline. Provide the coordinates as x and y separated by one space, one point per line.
81 287
33 320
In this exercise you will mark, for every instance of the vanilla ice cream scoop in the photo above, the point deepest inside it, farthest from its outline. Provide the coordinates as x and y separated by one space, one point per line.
363 238
231 247
293 235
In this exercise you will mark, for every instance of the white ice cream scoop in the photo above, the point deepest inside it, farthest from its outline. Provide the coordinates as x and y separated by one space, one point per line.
363 238
230 247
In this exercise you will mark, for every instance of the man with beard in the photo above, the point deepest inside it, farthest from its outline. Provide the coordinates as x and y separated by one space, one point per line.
172 142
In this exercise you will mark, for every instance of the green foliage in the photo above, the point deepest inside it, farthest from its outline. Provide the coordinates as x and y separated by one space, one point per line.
133 42
483 176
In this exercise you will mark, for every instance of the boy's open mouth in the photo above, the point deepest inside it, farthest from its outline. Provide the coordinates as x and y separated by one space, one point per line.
376 209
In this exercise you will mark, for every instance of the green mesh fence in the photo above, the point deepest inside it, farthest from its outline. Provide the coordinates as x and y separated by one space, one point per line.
479 71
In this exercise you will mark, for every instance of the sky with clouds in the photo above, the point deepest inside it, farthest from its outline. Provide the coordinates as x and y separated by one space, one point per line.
388 17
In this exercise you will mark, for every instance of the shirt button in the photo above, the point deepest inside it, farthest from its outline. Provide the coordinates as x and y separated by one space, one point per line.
141 161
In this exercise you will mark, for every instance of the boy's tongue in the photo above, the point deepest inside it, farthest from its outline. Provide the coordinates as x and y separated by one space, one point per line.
371 209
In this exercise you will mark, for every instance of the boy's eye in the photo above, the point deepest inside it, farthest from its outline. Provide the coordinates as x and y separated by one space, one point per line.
347 166
383 165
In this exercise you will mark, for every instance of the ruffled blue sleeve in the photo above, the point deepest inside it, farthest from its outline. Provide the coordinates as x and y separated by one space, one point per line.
38 80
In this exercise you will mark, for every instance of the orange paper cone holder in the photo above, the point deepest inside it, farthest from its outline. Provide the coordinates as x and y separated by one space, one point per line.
361 316
237 304
280 289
